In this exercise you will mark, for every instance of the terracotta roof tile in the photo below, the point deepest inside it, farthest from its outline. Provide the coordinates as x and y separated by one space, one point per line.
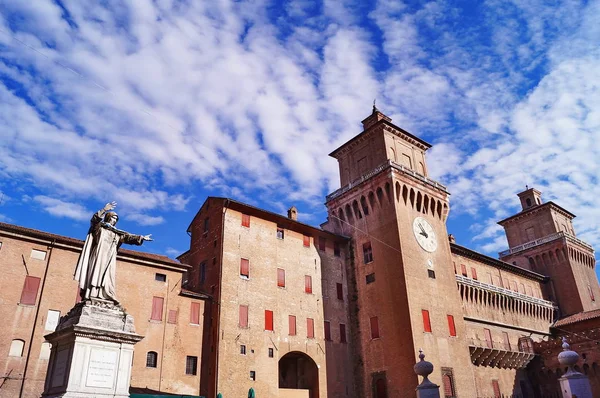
580 316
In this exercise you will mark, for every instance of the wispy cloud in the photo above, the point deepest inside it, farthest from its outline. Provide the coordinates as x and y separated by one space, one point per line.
60 208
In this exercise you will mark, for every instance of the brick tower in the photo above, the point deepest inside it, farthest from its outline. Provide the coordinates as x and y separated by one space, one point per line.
402 287
541 238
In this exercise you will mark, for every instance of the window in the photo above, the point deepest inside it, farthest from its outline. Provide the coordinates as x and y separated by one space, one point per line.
245 220
308 284
451 326
195 314
245 267
526 345
496 388
426 321
292 325
270 353
191 365
488 338
151 359
463 269
157 308
30 289
16 348
269 320
340 291
322 243
431 273
280 277
327 331
514 286
342 333
473 273
203 271
206 225
448 383
379 385
506 341
280 233
306 241
172 318
592 297
160 277
370 278
336 249
243 349
367 253
252 375
243 316
38 254
310 328
45 351
374 328
52 320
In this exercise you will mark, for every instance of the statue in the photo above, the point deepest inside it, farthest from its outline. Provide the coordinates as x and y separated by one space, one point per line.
98 260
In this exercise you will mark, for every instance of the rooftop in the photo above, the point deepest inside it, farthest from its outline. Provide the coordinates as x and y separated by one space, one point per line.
580 316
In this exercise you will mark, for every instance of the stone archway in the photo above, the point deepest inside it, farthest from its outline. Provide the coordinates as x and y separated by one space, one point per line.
298 371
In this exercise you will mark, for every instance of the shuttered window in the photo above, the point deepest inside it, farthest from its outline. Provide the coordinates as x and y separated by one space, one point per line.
340 291
151 359
191 365
506 341
451 326
245 267
327 328
367 253
245 220
243 316
307 284
195 314
496 388
172 316
488 338
268 320
592 297
306 241
426 321
310 328
448 383
322 243
342 333
473 273
157 308
292 325
30 290
463 269
280 277
374 327
336 249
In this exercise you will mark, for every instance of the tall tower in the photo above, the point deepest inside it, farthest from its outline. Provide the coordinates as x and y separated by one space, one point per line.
402 287
541 238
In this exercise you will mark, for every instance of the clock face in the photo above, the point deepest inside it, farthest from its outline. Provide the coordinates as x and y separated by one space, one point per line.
425 235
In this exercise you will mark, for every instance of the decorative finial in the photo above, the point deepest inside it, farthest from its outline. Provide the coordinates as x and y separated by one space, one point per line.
567 357
565 344
421 355
374 106
526 187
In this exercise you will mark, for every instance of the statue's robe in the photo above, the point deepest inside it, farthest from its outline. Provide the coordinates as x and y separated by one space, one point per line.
96 267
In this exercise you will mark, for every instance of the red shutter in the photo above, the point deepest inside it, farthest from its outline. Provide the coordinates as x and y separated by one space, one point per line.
451 326
172 316
310 328
592 297
496 388
243 316
195 314
30 289
488 338
306 241
280 277
268 320
463 269
308 284
374 328
426 321
473 273
506 341
447 382
292 325
157 308
245 220
342 333
245 267
340 291
327 331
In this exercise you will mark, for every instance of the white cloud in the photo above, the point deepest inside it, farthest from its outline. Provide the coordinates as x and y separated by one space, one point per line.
144 219
60 208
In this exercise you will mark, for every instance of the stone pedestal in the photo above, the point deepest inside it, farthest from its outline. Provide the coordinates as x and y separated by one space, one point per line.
575 384
92 352
426 389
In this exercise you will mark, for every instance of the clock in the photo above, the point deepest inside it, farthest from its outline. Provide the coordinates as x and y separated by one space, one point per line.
425 235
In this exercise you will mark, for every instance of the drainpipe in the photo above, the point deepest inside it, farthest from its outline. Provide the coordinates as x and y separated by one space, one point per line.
35 319
218 328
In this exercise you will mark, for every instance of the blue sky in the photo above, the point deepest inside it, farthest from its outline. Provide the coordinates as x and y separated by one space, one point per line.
158 104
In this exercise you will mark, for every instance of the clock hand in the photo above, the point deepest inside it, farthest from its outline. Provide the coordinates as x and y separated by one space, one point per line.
423 231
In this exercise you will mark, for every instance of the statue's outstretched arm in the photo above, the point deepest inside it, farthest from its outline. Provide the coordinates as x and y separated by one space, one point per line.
99 215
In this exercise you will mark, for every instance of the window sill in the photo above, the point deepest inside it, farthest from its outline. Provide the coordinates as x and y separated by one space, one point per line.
194 324
26 305
244 277
154 321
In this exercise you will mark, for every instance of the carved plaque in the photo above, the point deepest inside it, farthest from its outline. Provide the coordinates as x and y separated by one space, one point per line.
102 368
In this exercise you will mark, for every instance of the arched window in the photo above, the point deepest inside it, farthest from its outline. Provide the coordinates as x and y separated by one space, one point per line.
341 215
363 204
16 348
528 202
45 351
419 199
349 213
372 200
151 359
405 193
379 192
356 209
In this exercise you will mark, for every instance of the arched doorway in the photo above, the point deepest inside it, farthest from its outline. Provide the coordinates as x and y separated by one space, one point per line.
298 371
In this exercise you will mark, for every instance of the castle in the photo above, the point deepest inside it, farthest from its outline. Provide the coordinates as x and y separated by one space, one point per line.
264 301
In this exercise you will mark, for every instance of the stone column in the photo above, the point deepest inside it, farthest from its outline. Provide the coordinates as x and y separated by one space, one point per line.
572 384
92 352
426 389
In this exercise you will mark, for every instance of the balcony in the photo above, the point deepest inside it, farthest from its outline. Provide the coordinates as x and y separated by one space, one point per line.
546 239
497 355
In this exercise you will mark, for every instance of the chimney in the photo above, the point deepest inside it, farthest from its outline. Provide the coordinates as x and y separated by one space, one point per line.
451 238
293 213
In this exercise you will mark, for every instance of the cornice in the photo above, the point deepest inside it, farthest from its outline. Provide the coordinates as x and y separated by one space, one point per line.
536 209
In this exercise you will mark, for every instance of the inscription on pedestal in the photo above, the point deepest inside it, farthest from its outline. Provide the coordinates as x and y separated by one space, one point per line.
60 368
102 368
